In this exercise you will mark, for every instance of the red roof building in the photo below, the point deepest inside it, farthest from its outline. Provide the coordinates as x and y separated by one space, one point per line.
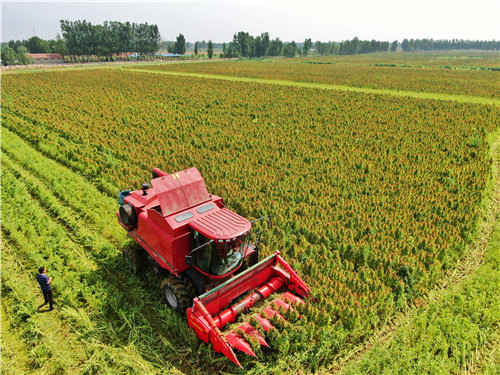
46 58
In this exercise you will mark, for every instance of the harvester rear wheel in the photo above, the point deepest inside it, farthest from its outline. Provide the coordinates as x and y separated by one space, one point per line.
135 257
177 293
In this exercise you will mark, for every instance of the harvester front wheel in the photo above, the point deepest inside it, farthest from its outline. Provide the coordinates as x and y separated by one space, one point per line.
177 293
134 257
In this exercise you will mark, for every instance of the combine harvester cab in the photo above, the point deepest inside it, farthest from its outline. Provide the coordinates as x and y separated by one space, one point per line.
199 247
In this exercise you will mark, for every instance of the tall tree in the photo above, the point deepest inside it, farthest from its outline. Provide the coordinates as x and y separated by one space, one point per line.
394 46
266 42
306 47
60 46
22 56
259 48
180 45
196 48
8 55
244 43
210 50
37 45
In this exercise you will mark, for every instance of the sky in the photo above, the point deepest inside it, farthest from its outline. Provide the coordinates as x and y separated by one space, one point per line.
334 20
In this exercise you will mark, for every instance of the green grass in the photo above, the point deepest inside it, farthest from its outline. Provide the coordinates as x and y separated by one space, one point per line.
107 321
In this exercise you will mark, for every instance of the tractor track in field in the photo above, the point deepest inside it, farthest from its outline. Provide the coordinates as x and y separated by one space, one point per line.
324 86
463 269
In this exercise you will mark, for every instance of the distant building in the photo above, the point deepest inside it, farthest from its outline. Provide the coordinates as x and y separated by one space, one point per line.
46 58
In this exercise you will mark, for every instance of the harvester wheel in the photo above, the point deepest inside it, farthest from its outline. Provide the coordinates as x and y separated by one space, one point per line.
177 293
135 257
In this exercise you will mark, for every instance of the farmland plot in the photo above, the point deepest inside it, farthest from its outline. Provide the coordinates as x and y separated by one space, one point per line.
372 199
374 72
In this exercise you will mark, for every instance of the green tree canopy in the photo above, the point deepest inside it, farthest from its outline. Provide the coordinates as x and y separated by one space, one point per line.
306 47
394 46
8 55
83 38
210 50
290 49
180 45
37 45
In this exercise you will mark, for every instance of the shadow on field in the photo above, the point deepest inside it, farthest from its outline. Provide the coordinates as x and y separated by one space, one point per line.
43 311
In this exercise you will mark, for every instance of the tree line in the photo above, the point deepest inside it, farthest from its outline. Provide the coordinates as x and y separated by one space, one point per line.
39 45
246 46
81 38
110 38
409 45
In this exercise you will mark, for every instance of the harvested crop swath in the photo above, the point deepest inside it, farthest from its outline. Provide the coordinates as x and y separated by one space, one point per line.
371 197
483 83
106 322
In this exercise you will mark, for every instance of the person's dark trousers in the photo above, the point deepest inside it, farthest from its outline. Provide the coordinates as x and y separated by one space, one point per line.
49 297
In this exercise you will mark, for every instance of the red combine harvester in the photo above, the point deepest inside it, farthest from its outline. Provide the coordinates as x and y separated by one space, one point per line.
199 247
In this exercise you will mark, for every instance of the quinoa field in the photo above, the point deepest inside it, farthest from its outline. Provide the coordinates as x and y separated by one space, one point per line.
378 172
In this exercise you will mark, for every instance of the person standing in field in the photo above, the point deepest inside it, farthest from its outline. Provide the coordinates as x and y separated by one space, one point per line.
44 282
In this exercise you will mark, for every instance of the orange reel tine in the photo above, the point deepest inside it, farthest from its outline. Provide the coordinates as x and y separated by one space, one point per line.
249 330
264 323
237 342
